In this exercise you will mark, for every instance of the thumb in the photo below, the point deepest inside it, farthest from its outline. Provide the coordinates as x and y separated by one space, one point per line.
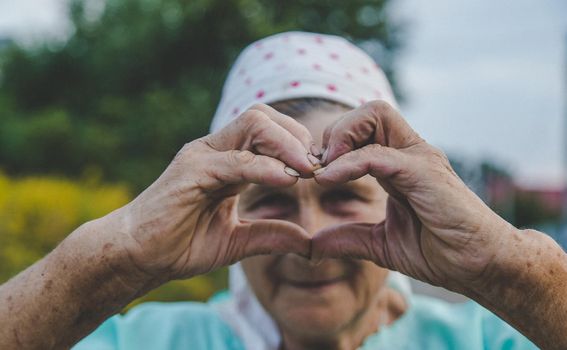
352 240
257 237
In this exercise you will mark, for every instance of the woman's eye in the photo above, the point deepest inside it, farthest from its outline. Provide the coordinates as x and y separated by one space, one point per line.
341 202
273 206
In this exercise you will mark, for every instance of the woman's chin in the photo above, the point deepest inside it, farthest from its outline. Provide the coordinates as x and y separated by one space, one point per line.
313 322
315 310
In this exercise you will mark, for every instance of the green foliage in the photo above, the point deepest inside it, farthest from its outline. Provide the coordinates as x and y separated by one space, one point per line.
138 80
131 85
36 213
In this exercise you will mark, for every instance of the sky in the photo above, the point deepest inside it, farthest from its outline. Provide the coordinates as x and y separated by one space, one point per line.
483 79
487 79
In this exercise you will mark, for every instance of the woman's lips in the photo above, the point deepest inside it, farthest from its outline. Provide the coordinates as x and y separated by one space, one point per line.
300 274
313 284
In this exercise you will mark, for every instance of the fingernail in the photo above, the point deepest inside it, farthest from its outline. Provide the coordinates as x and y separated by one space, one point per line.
315 150
314 160
291 172
324 157
318 171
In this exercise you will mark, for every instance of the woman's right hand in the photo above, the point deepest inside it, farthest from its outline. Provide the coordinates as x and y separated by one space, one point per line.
186 222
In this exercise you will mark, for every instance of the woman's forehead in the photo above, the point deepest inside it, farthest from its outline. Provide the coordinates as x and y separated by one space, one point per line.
317 120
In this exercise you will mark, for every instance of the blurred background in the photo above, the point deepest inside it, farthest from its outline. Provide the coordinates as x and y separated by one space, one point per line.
97 96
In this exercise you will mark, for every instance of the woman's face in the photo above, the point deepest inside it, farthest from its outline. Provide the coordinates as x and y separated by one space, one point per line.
315 300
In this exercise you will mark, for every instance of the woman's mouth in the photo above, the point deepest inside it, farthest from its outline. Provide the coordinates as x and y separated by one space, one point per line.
313 284
299 274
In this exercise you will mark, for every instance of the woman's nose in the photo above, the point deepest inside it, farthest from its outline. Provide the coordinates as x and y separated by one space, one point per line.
312 218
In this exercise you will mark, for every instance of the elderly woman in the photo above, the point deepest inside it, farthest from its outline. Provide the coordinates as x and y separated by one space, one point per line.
320 196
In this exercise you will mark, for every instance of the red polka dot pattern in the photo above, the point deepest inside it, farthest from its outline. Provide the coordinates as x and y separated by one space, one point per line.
297 64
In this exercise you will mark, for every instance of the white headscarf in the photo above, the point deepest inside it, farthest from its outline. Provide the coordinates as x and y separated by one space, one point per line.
277 68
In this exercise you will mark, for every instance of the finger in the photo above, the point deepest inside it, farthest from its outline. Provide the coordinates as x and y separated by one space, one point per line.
374 122
242 167
270 237
381 162
293 126
255 131
393 244
352 240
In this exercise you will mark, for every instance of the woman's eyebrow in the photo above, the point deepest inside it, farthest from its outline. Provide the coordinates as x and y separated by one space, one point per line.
356 185
369 190
255 191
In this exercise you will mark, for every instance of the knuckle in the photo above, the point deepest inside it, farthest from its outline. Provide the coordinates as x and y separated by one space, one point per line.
330 130
439 162
342 147
188 151
304 133
187 147
374 148
411 139
370 152
438 155
241 158
259 106
379 107
335 133
253 117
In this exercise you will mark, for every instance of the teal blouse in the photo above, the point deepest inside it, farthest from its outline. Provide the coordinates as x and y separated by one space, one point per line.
427 324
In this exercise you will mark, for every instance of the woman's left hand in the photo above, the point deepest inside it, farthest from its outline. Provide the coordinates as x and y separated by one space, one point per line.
436 229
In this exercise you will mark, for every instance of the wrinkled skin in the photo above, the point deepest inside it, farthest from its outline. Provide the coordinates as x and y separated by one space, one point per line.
186 223
435 230
333 303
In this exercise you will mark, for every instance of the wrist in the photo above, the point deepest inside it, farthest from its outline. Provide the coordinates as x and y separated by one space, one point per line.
102 245
500 267
525 286
517 270
65 296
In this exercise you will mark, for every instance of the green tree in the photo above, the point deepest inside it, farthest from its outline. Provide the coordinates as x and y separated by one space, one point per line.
132 84
135 82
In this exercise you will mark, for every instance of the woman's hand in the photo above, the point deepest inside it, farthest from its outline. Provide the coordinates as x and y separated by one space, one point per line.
436 229
186 222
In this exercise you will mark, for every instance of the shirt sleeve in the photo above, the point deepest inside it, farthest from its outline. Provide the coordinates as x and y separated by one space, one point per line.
499 335
181 325
103 338
435 324
467 326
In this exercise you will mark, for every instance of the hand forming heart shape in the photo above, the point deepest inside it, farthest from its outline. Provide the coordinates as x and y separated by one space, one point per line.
435 230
